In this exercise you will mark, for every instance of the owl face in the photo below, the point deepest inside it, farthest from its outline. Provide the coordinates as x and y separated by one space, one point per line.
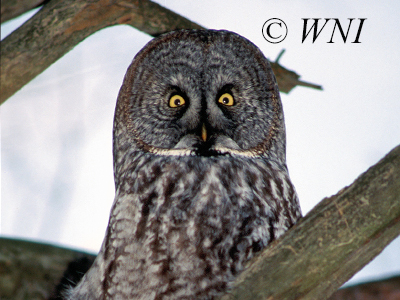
202 92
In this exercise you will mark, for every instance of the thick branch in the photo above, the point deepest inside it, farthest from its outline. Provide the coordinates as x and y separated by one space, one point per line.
62 24
31 270
386 289
13 8
329 245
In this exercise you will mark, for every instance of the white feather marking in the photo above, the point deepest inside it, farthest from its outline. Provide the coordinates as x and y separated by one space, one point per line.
274 189
171 152
189 152
246 153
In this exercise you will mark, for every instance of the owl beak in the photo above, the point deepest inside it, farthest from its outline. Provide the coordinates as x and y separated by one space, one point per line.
204 132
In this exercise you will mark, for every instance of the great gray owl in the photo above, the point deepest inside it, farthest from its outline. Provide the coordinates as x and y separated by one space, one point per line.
200 170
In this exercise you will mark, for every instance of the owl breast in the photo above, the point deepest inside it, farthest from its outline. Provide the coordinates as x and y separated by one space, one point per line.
194 222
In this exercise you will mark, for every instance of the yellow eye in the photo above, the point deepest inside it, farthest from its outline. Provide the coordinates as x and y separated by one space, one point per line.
176 101
226 99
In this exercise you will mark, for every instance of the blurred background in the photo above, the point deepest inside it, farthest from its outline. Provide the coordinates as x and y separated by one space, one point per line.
56 132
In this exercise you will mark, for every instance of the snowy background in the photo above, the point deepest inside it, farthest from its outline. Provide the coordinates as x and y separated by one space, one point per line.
56 132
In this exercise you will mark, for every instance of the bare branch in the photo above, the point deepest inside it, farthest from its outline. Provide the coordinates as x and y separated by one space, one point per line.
30 270
288 79
329 245
374 290
62 24
13 8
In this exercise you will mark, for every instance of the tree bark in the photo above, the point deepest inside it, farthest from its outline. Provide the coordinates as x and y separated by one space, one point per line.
386 289
13 8
34 271
331 243
62 24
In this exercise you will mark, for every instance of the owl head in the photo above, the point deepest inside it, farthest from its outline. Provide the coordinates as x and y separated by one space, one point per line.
200 92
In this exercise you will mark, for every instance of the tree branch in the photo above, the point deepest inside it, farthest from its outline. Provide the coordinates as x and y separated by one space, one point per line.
62 24
331 243
288 79
388 289
13 8
30 270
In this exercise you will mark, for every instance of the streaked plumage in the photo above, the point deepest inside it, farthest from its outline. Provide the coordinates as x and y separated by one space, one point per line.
200 170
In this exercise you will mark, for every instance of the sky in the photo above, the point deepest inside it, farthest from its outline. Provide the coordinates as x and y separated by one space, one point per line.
56 132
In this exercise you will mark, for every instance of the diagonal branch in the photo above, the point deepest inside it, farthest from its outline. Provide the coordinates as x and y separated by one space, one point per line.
332 242
62 24
11 9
